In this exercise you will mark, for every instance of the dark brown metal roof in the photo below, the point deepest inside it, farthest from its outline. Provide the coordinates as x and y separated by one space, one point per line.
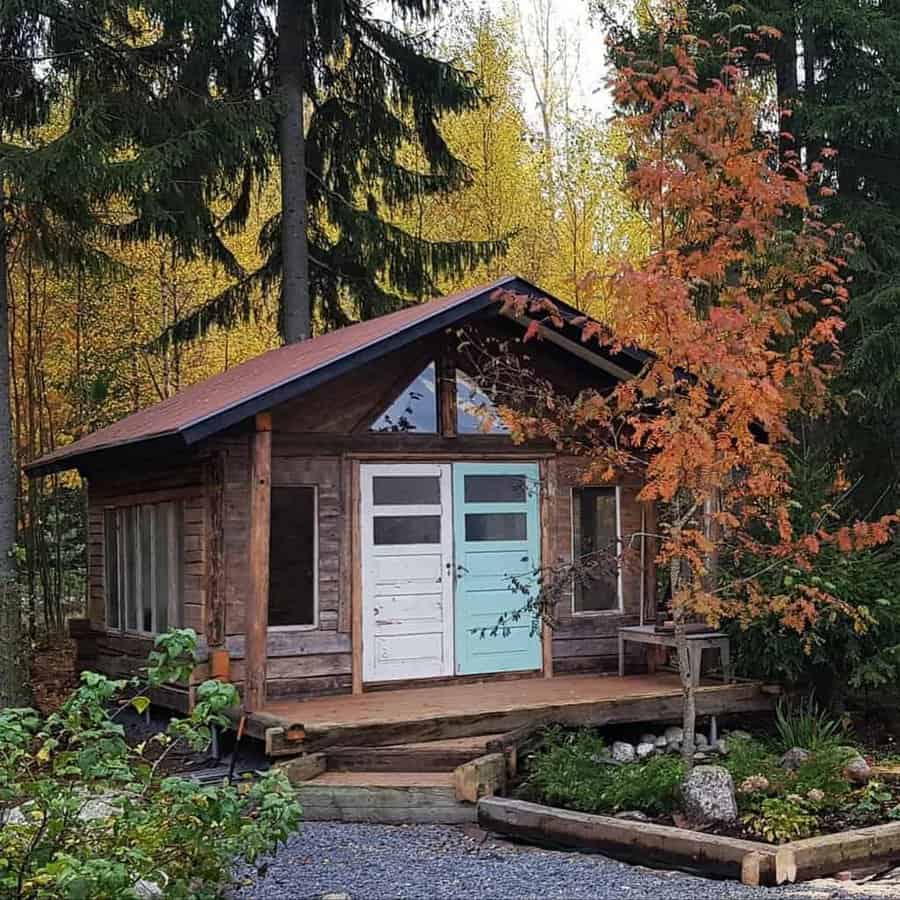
223 400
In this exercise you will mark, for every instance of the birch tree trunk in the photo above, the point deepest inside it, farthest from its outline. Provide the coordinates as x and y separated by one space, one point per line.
13 677
295 299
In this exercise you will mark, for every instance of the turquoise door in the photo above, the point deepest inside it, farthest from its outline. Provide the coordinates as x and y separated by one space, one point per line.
496 545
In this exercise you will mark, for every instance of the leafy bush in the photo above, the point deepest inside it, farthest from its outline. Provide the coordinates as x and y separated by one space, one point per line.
748 757
569 772
802 723
85 815
781 819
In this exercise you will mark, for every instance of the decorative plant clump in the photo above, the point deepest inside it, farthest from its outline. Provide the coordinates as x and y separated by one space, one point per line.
776 802
83 814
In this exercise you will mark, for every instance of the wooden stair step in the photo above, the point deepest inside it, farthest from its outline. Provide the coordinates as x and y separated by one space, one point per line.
425 756
387 797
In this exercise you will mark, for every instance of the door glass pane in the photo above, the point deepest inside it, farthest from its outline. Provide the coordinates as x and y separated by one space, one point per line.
407 529
496 527
400 490
162 561
596 543
145 554
130 569
292 556
494 488
415 409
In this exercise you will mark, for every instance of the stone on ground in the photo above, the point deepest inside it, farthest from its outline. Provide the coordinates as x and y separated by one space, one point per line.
708 795
857 770
794 758
645 749
623 751
674 733
632 815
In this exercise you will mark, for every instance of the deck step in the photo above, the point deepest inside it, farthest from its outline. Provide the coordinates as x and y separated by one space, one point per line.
429 756
386 797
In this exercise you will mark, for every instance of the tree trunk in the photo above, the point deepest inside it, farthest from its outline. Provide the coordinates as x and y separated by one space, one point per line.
689 707
295 299
13 677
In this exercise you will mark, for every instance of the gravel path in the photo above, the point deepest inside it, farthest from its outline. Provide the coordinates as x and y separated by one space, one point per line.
434 862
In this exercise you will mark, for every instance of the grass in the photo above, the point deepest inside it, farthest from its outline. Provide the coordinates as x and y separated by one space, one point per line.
802 723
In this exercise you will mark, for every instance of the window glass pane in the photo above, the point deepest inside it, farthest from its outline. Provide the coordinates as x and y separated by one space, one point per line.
390 490
130 565
111 568
292 556
495 489
145 567
407 529
163 548
596 545
415 409
496 527
475 411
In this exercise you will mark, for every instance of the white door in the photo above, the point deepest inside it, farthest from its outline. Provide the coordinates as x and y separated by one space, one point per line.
407 563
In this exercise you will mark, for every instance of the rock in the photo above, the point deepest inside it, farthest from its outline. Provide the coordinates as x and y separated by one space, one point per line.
700 756
100 807
661 742
700 741
647 738
857 770
145 889
708 794
644 749
814 795
738 735
674 733
623 751
794 758
754 784
673 747
721 747
632 815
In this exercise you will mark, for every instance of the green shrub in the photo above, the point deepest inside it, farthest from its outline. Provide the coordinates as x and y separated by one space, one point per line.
780 820
180 834
748 756
824 770
801 723
568 772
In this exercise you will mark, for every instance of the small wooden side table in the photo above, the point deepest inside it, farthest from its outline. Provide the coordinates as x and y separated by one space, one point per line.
697 643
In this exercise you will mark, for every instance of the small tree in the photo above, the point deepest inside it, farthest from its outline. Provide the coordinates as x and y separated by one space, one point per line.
740 305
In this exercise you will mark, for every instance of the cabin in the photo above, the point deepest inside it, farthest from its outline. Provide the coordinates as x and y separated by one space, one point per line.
343 516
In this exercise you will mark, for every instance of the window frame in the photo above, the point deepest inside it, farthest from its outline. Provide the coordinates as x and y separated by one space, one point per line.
315 622
116 513
575 509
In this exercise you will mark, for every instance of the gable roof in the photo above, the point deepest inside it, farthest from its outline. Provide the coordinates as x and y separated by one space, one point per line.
223 400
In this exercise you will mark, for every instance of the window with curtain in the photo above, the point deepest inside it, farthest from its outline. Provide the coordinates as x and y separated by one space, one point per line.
144 566
595 532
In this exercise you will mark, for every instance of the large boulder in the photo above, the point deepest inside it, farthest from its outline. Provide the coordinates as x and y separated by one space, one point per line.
674 733
623 751
645 749
708 796
794 758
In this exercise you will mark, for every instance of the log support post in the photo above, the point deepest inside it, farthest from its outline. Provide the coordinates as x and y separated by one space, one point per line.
547 488
257 611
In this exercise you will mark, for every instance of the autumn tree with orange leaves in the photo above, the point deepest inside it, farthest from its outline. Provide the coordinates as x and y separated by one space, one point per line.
740 304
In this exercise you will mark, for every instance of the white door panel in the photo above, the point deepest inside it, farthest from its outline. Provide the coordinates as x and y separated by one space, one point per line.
407 556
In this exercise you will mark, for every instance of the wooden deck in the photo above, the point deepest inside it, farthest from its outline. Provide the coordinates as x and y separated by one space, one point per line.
381 718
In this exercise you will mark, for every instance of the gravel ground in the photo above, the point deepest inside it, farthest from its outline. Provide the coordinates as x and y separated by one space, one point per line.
439 863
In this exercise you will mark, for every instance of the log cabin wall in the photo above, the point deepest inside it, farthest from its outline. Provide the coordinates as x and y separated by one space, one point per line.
118 652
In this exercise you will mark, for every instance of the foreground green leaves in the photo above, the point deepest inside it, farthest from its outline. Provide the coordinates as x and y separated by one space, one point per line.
85 815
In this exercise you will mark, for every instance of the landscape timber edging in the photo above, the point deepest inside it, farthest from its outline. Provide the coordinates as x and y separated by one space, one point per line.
646 843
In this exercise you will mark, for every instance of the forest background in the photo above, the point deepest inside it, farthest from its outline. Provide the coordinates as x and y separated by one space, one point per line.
541 196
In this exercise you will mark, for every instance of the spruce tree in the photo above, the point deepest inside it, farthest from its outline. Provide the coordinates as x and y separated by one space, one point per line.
362 92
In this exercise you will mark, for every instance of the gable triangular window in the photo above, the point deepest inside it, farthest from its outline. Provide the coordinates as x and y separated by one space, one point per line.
475 411
415 407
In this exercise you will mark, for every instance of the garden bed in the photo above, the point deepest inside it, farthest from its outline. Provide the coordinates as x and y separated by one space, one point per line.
751 800
647 843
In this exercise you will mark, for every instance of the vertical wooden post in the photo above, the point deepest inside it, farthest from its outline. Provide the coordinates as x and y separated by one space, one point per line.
356 613
257 610
446 391
547 469
214 476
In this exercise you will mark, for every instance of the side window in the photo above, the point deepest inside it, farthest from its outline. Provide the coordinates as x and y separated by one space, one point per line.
475 411
595 534
293 557
143 566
